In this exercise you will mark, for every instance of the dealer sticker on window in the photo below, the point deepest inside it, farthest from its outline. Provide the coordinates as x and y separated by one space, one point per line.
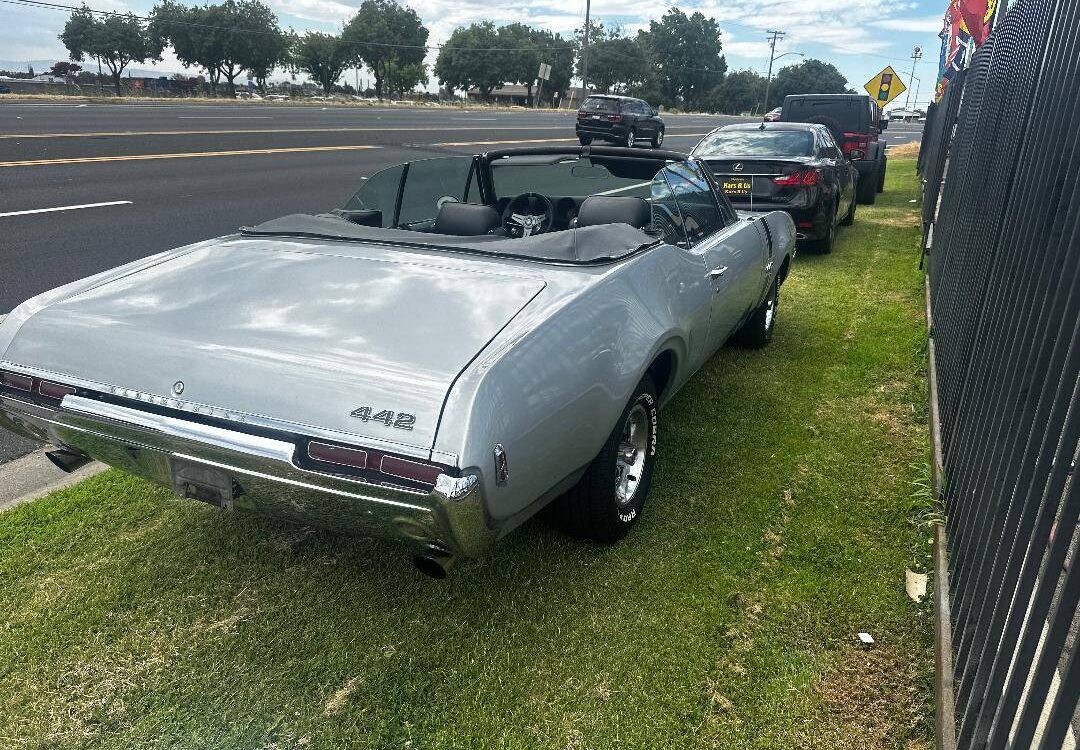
737 187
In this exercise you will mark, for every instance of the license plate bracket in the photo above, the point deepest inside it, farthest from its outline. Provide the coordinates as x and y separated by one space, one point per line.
203 483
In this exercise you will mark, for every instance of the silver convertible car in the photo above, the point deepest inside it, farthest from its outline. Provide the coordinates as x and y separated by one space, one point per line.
467 340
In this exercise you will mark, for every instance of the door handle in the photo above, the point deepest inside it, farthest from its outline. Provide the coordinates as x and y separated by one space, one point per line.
716 273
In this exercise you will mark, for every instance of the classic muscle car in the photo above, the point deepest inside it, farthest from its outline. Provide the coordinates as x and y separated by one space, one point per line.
465 341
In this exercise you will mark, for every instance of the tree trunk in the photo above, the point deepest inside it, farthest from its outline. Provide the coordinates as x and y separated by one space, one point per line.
528 94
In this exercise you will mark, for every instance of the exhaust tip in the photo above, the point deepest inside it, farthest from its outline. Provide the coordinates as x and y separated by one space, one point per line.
434 562
67 461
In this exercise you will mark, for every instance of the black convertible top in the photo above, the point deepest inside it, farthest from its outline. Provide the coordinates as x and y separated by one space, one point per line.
601 243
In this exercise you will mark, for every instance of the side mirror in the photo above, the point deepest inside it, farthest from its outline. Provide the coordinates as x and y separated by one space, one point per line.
884 124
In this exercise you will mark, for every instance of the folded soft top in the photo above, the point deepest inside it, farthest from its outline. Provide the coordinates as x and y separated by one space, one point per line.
592 244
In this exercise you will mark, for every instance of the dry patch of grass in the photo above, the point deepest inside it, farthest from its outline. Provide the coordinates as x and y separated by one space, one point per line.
905 150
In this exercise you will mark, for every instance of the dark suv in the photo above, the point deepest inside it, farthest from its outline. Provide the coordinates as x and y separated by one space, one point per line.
619 119
856 123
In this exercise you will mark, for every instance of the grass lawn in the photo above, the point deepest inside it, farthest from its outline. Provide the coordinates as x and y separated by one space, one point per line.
780 525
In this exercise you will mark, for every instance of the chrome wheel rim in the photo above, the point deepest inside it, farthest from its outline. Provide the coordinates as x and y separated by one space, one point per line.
630 461
659 137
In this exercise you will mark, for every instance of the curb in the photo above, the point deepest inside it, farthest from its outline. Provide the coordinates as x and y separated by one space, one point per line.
33 476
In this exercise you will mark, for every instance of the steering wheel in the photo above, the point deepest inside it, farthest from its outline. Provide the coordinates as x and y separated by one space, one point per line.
528 214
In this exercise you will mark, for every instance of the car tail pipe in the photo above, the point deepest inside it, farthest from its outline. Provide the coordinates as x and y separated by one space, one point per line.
434 560
67 460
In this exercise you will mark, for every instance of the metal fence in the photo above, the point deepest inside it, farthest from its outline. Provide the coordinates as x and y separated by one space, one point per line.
1004 286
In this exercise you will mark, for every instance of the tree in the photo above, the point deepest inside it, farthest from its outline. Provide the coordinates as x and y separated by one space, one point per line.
811 76
467 60
384 34
224 39
323 57
617 63
687 54
63 69
520 61
404 77
740 92
557 52
114 40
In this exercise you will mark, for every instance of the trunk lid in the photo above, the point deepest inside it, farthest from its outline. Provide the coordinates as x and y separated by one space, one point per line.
743 180
302 333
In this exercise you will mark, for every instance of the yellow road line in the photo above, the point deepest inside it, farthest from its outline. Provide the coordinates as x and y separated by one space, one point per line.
191 155
256 131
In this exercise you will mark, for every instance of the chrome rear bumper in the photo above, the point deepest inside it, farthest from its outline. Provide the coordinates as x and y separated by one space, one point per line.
240 470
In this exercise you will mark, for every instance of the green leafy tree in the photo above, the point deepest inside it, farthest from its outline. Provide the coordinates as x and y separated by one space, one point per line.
323 57
687 55
402 78
521 59
617 64
557 52
114 40
811 76
224 39
384 35
469 59
63 69
741 91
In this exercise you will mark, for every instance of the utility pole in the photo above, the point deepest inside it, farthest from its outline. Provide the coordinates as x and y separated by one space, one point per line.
916 55
774 37
585 53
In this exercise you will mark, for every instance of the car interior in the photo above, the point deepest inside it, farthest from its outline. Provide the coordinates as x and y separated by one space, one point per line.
522 193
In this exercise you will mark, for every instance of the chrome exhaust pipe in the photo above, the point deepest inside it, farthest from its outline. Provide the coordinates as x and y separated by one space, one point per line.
67 461
435 561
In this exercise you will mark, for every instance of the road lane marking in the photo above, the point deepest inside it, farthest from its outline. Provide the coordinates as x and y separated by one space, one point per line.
256 131
191 155
65 208
224 117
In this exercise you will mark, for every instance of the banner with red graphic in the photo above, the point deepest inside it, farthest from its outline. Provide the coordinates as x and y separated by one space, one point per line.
967 24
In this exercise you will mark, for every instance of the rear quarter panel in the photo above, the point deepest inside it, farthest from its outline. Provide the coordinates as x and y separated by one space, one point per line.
551 388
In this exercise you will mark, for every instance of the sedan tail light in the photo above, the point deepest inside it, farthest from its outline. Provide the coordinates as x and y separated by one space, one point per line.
22 382
802 178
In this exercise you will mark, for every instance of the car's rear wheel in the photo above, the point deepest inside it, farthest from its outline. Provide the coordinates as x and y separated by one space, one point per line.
658 139
606 503
881 174
758 331
824 245
631 138
585 140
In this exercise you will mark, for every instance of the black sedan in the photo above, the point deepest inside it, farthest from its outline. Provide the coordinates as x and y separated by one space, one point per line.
619 119
781 166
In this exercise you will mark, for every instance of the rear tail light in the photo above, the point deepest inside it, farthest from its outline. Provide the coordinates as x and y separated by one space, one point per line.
855 145
413 470
373 465
54 390
613 118
582 115
336 454
22 382
802 178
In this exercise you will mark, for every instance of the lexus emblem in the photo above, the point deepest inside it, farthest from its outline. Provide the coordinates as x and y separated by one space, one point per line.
737 167
178 387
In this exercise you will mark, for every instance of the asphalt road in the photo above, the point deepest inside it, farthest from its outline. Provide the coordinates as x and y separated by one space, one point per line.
176 174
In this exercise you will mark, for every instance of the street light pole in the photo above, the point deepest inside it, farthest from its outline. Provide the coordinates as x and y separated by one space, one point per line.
775 36
585 53
916 54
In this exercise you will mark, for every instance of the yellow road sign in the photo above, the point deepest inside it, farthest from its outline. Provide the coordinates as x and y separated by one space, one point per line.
885 86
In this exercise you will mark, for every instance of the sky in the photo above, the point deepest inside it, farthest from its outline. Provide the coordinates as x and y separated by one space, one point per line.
859 38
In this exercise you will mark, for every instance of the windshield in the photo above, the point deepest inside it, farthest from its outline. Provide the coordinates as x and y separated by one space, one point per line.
571 177
756 143
600 104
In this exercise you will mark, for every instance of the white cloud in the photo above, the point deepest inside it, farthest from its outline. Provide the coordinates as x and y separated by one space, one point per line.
926 24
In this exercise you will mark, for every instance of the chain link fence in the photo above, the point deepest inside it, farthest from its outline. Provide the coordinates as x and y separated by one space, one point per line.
1001 212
